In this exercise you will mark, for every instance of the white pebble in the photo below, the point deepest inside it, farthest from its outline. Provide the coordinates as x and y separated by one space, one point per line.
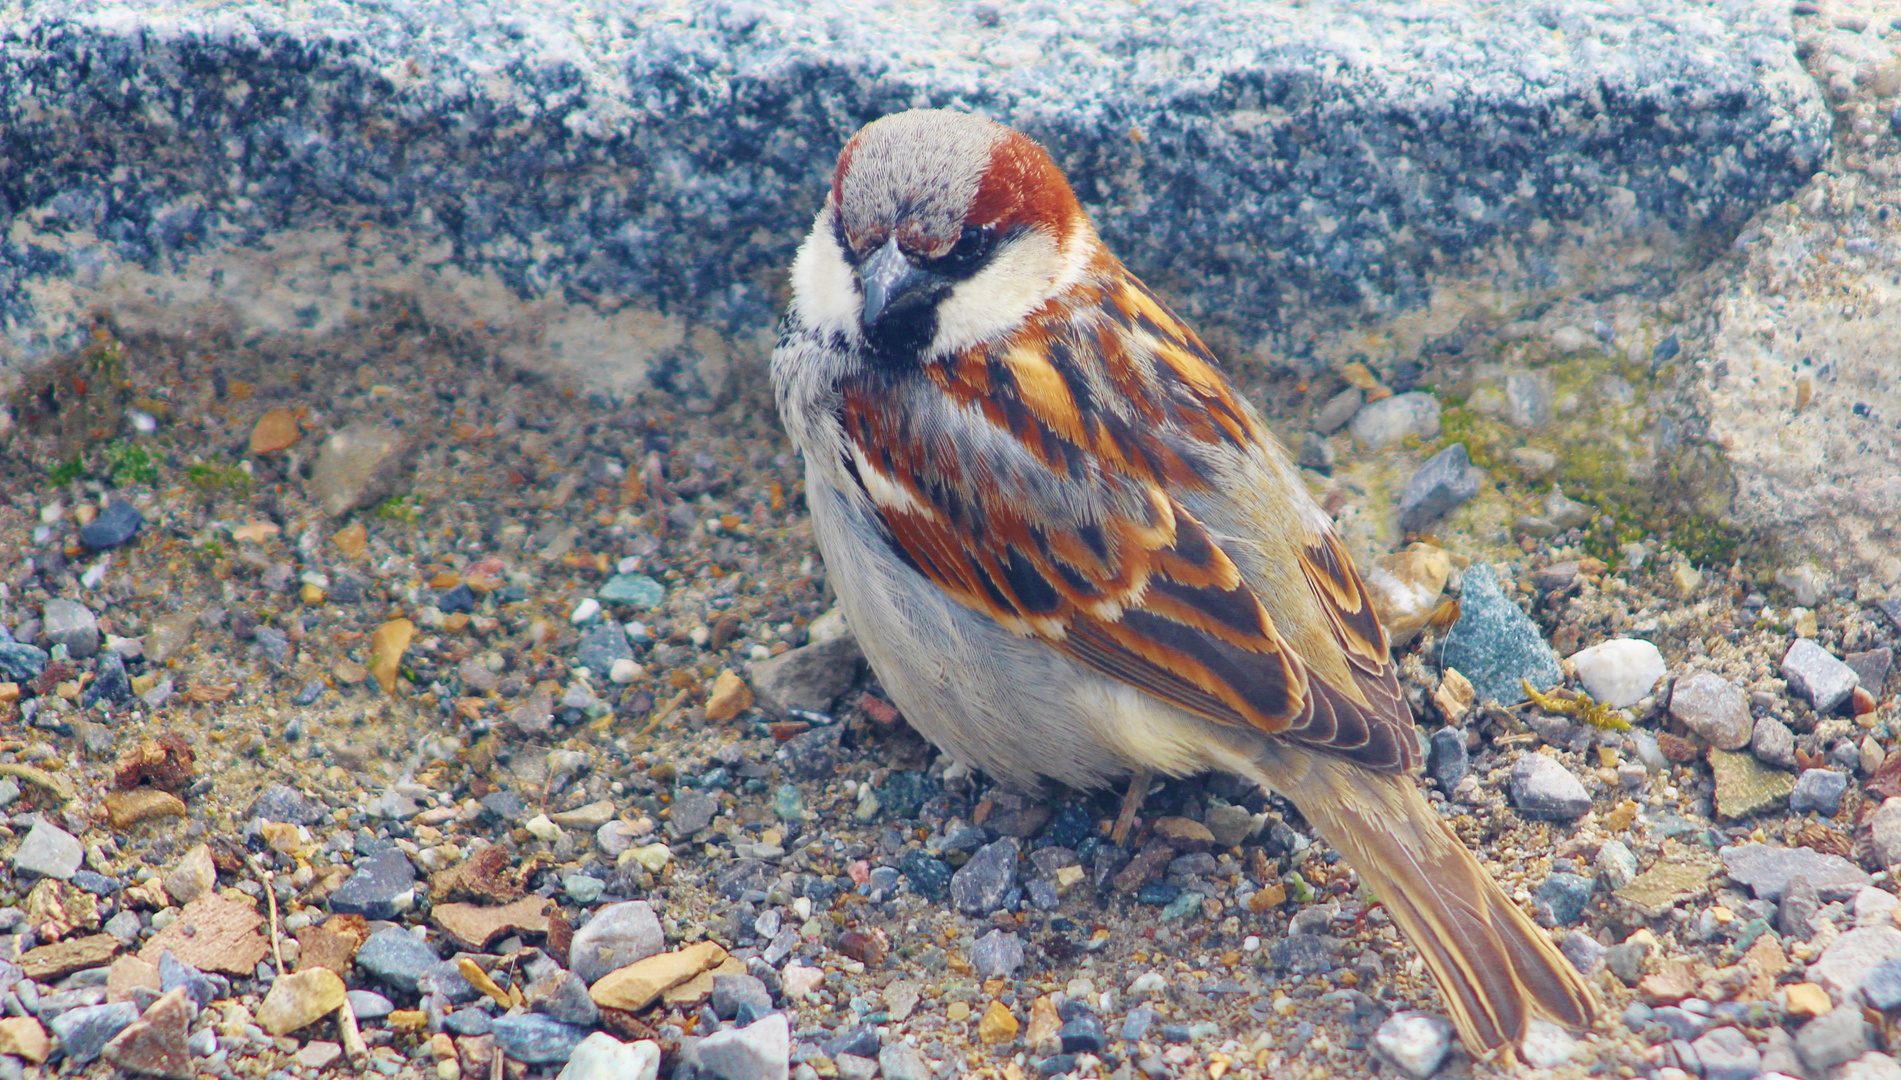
628 565
624 671
759 652
142 422
585 611
1150 982
541 828
700 635
52 512
1619 672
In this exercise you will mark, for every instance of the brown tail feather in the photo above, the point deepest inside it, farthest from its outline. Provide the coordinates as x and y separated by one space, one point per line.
1496 968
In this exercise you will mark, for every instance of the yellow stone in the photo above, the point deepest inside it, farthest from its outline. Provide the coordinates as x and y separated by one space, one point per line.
299 1000
958 1011
1268 899
409 1019
635 986
352 539
127 808
731 696
22 1036
998 1026
276 430
387 646
1044 1023
1808 999
311 595
479 979
1068 877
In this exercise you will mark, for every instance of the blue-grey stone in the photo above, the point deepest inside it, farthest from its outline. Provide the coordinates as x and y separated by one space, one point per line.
634 590
1833 1038
1447 481
48 851
96 883
979 886
732 991
1820 790
1447 758
110 683
1680 1023
1560 900
200 987
564 997
72 624
691 811
309 694
85 1031
604 643
469 1022
117 523
1545 790
1135 1026
457 600
20 662
536 1039
859 1040
1727 1054
283 803
1881 987
931 877
1585 952
1081 1035
382 887
445 978
398 958
996 953
583 889
272 645
370 1005
1495 644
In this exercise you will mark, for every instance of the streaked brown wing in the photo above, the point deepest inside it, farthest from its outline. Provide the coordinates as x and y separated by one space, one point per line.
1113 571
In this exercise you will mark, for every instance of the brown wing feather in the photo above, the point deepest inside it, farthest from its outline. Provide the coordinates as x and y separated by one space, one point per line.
1117 406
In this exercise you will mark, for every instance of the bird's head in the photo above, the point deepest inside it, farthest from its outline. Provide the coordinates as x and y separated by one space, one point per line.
942 230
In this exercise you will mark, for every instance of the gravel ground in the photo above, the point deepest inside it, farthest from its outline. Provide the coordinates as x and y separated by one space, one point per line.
368 708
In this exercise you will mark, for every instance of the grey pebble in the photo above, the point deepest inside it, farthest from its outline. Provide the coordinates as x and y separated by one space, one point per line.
1816 674
1820 790
731 992
84 1032
536 1039
1338 410
980 885
48 851
1727 1054
1415 1042
691 812
1834 1038
72 624
758 1051
381 887
1713 707
617 935
1767 870
397 957
1545 790
996 953
810 677
1444 483
118 523
1773 743
1391 420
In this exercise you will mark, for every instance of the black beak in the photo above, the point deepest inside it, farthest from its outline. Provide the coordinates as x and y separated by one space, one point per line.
891 282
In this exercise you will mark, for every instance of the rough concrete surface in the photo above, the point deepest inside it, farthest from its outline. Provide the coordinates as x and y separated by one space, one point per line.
590 186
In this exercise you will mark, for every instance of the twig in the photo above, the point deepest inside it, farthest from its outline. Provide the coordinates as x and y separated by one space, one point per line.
353 1045
666 712
270 896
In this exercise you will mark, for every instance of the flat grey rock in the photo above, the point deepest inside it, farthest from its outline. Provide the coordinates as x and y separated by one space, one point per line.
1714 708
616 936
48 851
1766 870
587 184
1543 789
758 1051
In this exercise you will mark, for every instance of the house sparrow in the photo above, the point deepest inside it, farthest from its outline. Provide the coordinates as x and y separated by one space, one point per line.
1071 550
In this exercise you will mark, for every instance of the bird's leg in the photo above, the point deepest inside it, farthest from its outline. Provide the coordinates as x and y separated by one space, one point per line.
1131 802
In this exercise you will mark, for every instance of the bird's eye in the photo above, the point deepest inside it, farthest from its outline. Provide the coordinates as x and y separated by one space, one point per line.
972 248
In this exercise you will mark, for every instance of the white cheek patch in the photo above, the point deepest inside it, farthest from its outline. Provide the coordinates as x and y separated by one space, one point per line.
999 297
823 287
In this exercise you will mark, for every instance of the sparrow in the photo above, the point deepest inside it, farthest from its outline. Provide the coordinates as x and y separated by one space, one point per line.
1071 550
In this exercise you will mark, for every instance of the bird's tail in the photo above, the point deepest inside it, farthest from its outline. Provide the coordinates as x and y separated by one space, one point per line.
1494 966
